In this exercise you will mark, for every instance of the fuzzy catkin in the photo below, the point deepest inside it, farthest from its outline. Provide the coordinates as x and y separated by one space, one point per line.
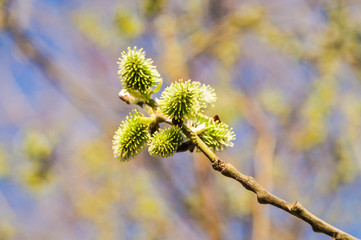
179 100
130 138
216 135
137 73
164 143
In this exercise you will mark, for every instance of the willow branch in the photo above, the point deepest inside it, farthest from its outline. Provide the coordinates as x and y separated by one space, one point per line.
265 197
248 182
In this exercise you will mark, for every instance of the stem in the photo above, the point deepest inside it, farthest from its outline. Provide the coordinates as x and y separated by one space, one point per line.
265 197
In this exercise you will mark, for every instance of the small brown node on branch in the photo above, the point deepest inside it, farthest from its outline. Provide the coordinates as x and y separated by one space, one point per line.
316 229
215 165
295 206
335 236
217 119
261 197
218 165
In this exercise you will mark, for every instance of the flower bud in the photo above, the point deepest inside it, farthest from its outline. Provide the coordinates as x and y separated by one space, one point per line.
130 138
179 100
137 73
216 135
164 142
206 97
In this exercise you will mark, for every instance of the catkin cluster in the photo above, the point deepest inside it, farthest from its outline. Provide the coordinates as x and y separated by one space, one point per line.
181 105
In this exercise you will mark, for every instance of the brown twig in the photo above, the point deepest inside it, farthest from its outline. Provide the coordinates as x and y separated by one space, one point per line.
265 197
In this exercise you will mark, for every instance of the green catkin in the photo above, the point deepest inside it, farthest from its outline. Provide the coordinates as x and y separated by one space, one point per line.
216 135
164 143
206 97
137 73
179 100
182 102
130 138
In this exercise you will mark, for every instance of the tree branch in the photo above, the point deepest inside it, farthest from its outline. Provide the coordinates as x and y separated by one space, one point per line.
265 197
183 98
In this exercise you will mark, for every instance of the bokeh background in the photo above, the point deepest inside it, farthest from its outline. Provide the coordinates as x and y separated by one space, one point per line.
287 74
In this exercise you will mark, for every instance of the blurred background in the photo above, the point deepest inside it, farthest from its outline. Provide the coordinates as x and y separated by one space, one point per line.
287 74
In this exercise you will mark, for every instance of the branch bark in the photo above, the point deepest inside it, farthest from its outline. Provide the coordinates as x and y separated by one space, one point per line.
265 197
